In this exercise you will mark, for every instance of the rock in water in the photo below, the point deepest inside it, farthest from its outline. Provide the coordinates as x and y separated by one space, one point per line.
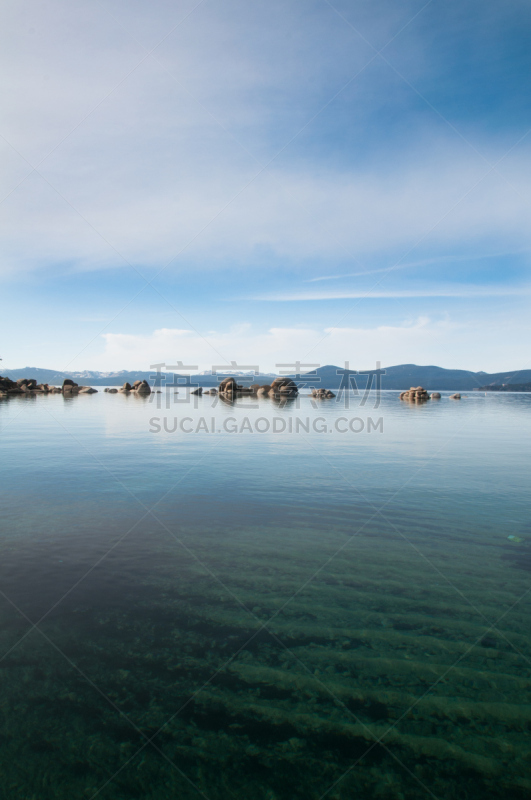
284 386
415 395
228 386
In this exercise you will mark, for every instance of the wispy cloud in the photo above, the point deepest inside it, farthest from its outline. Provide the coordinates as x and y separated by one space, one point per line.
357 274
442 291
446 259
171 162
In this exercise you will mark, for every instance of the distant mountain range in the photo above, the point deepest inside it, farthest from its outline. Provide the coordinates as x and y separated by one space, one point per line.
399 377
507 387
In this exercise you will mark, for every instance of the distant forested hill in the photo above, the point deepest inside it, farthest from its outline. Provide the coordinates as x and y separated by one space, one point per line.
508 387
432 378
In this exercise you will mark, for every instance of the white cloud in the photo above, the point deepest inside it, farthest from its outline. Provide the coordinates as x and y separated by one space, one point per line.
161 157
446 342
93 223
362 346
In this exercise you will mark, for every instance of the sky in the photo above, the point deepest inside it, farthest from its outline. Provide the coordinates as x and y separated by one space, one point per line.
265 182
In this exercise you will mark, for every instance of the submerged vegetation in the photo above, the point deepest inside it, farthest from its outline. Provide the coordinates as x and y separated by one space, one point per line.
240 672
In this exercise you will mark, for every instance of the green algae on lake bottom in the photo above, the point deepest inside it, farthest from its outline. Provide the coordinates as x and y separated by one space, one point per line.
379 677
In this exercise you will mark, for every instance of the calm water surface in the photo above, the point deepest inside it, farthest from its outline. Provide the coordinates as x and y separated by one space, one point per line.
265 615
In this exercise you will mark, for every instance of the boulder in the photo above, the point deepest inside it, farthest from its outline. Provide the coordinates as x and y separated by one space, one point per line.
126 387
136 384
143 388
112 391
68 382
198 391
106 389
284 386
87 390
455 396
263 391
228 386
322 393
435 395
415 395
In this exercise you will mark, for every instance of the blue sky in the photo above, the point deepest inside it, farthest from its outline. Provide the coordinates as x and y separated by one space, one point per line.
266 182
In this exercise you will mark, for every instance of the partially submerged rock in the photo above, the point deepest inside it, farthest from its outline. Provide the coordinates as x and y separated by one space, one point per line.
280 386
455 396
417 394
29 387
284 386
138 387
322 393
229 386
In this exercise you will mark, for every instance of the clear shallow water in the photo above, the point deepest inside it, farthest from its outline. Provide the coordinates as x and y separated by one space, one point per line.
276 616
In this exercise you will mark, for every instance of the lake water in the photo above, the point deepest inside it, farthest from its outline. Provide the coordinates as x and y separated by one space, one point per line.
230 613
